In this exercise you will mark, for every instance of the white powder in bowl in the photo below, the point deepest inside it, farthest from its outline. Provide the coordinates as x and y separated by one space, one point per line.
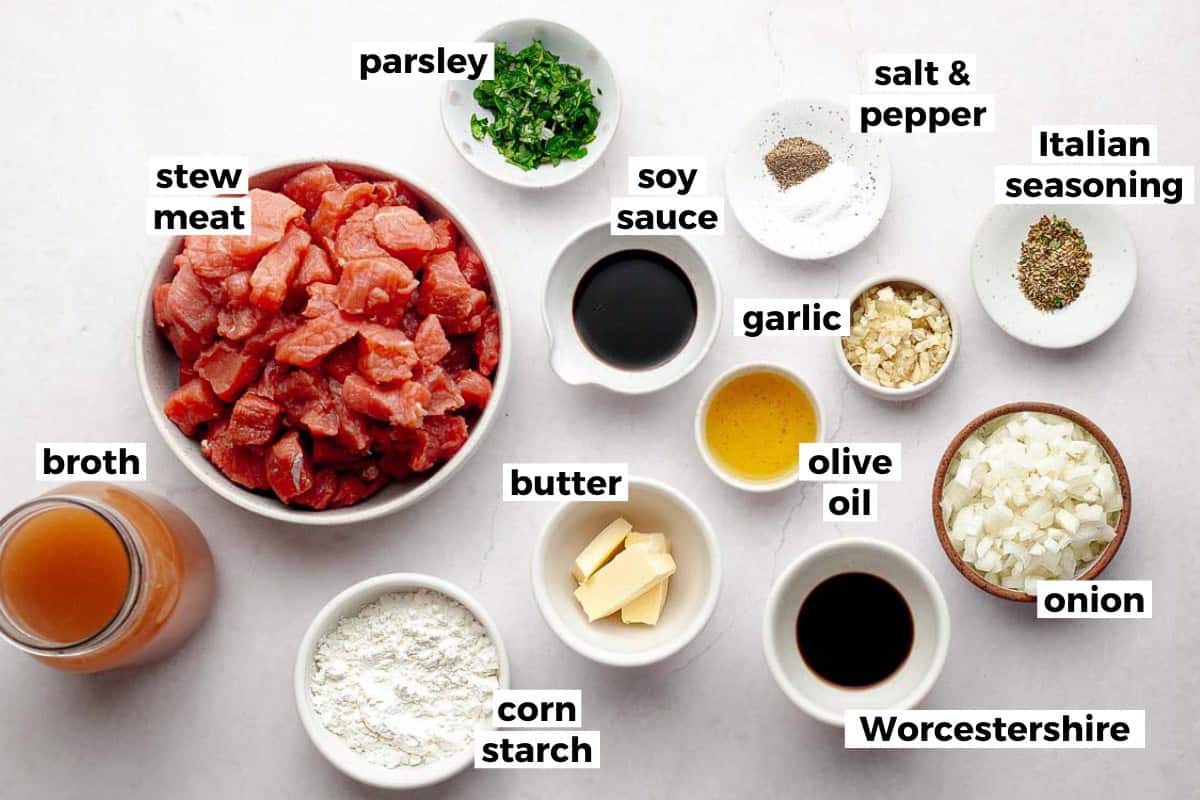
821 197
407 680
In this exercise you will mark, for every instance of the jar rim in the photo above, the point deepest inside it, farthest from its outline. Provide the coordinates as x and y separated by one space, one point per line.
18 635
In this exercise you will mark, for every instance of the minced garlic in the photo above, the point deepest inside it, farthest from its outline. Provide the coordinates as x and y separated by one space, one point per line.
899 336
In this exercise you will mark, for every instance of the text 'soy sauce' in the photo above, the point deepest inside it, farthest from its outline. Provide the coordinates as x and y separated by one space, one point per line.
95 577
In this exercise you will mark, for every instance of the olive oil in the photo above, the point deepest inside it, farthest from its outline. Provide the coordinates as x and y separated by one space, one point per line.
755 423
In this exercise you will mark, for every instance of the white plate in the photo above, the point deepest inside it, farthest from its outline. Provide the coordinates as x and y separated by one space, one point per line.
1108 290
458 104
756 199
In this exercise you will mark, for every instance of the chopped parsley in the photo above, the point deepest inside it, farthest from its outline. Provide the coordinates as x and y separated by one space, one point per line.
543 109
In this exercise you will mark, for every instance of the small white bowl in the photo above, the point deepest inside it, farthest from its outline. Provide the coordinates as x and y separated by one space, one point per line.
931 629
755 197
702 413
158 374
653 507
458 104
908 392
1105 296
346 604
570 357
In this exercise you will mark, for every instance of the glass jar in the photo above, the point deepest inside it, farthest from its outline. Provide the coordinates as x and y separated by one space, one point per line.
96 577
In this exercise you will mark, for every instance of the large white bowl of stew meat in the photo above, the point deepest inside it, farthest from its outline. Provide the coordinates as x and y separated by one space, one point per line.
159 369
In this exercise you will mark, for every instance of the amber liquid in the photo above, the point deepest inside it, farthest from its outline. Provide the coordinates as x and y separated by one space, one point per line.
64 574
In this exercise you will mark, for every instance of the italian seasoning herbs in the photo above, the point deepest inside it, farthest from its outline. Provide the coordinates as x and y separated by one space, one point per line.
1055 264
543 109
794 160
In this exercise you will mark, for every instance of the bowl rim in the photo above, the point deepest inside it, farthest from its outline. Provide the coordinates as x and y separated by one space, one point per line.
551 180
702 412
774 599
1110 450
554 336
191 458
744 133
366 591
652 656
925 386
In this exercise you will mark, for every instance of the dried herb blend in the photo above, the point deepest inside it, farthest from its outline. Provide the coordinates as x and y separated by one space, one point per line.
543 109
1055 263
794 160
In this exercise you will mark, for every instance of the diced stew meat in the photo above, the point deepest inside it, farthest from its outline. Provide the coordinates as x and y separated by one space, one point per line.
347 342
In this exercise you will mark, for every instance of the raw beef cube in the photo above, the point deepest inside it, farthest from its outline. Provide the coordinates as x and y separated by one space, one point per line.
193 404
472 267
475 389
189 315
431 342
445 235
237 321
443 392
360 280
255 419
324 487
354 433
307 187
404 232
242 465
309 403
461 355
308 344
275 272
270 213
356 238
438 438
341 362
403 406
385 355
346 177
444 290
289 471
395 193
487 342
316 267
272 381
326 450
352 490
320 300
208 256
228 370
236 288
263 340
338 204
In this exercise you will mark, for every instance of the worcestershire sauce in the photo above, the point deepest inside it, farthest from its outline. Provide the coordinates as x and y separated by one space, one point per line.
854 630
635 309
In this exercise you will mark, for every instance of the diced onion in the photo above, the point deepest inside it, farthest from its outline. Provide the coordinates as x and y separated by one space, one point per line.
1033 499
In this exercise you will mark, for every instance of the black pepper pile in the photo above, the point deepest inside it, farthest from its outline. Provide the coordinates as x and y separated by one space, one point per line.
1055 264
794 160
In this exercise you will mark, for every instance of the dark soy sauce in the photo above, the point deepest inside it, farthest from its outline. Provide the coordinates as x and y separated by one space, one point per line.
635 309
854 630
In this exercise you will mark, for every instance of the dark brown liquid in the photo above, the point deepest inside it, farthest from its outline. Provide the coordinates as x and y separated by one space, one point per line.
854 629
635 309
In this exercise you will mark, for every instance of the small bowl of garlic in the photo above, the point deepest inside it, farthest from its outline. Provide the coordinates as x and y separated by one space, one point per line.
1028 492
903 338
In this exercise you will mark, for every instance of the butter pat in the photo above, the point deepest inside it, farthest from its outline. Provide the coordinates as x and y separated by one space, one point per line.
600 549
647 608
629 575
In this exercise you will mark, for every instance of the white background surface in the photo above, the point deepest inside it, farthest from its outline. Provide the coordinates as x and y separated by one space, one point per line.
90 92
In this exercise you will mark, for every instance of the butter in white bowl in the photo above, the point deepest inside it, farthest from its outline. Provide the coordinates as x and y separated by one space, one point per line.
642 567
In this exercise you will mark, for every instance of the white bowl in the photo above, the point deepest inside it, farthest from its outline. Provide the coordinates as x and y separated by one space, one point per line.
755 197
702 413
346 604
908 392
570 357
692 594
931 629
458 104
1105 296
158 376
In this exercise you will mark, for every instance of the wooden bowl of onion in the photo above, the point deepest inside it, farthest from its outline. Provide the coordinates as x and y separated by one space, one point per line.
1028 492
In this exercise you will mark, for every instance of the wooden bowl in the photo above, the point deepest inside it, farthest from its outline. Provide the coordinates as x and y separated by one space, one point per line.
1114 457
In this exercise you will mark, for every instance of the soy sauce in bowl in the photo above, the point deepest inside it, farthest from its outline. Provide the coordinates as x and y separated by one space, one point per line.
635 309
854 630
